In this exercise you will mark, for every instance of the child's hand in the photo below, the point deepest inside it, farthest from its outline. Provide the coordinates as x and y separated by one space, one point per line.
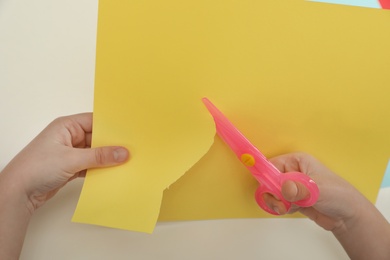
357 224
338 198
60 153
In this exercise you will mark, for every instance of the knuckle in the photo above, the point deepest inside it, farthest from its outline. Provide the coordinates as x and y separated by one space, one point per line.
60 120
100 157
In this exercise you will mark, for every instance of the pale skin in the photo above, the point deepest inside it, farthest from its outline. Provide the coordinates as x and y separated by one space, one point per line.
61 152
355 222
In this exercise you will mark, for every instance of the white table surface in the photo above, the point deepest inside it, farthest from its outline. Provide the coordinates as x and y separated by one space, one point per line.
47 56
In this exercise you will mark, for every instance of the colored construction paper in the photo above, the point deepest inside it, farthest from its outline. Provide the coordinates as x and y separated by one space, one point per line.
385 4
290 75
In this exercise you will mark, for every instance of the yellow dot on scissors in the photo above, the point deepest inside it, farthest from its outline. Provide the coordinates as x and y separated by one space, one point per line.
248 159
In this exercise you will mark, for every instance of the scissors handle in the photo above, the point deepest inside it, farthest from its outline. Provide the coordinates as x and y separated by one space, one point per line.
269 177
276 191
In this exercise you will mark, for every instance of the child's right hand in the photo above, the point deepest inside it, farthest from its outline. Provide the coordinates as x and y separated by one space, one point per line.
357 224
338 202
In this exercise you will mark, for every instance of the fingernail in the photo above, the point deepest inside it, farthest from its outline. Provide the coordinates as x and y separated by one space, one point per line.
276 209
120 154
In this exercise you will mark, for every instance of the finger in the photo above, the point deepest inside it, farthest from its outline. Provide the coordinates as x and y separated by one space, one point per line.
286 162
99 157
84 120
72 130
88 139
294 191
274 204
85 142
80 174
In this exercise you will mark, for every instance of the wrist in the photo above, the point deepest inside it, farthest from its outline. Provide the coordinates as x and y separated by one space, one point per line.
359 211
365 234
15 215
13 192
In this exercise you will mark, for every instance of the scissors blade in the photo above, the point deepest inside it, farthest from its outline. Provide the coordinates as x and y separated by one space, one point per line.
269 177
239 144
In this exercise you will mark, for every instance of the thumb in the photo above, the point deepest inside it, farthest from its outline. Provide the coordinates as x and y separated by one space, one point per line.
294 191
98 157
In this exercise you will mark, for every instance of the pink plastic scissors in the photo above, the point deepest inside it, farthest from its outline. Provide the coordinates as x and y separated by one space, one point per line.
269 177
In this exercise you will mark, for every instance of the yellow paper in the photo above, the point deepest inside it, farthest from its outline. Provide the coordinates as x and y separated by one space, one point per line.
291 75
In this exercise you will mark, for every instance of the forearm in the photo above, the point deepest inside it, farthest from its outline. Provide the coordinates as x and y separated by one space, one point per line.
366 237
14 217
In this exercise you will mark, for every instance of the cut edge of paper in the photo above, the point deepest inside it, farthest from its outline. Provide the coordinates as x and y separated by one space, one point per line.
272 64
192 166
81 214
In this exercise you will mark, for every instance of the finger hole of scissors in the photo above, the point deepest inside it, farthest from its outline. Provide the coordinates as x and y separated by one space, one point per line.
274 204
299 189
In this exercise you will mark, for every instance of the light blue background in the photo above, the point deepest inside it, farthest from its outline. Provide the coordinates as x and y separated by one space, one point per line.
363 3
386 178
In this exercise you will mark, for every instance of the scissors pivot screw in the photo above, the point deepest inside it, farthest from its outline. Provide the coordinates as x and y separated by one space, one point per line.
248 159
269 177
